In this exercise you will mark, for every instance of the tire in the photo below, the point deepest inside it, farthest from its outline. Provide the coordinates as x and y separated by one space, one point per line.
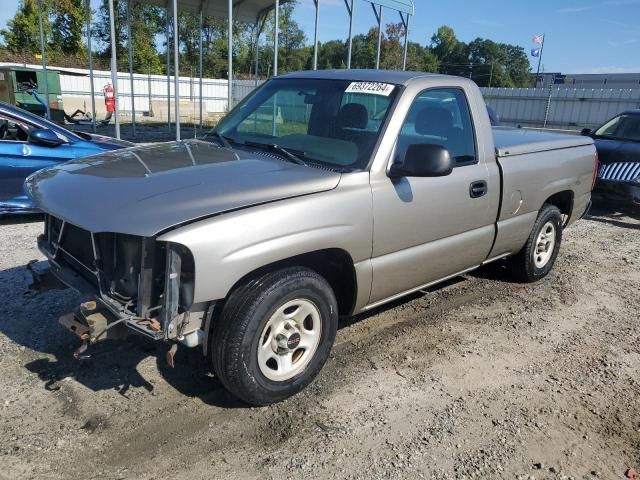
253 347
534 262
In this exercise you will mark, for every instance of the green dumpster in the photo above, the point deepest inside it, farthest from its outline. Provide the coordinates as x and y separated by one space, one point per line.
15 81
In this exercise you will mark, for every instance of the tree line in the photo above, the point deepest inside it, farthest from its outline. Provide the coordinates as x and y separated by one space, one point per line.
64 24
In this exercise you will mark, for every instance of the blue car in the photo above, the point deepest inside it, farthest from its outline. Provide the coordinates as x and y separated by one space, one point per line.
29 143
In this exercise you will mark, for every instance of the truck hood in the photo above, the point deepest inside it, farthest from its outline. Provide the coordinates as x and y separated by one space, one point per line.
145 190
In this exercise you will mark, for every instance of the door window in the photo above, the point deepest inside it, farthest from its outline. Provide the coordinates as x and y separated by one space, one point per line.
440 116
12 130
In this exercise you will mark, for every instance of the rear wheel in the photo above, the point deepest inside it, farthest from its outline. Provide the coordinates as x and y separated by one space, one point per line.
537 257
274 335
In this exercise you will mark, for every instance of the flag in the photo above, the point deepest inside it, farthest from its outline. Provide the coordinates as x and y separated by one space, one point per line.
538 39
535 52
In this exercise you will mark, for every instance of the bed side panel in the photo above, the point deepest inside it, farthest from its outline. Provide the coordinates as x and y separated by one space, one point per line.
529 180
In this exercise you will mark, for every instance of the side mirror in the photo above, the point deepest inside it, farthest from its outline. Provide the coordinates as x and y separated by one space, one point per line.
44 137
423 160
585 132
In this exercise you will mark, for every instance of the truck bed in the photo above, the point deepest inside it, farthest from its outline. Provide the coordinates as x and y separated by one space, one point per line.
511 141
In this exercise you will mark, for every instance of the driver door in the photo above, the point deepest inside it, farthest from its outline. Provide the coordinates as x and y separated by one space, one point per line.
428 228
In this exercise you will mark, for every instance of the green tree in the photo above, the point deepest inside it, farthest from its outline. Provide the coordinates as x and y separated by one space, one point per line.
292 55
145 25
68 22
332 54
421 59
364 49
22 34
517 64
62 23
498 64
483 60
392 47
452 54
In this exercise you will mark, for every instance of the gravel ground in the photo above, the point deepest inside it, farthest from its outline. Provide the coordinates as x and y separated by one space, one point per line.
145 132
481 378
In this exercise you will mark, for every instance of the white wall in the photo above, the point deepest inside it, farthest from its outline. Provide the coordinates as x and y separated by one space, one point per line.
572 108
76 91
214 91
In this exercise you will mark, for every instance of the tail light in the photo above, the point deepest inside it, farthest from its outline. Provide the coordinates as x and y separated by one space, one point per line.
596 167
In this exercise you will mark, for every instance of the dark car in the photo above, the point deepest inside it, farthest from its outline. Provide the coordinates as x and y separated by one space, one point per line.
618 145
29 143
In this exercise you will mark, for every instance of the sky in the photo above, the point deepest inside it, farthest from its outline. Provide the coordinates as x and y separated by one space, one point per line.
587 36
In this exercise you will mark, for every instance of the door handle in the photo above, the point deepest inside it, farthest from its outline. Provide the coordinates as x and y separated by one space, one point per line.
478 189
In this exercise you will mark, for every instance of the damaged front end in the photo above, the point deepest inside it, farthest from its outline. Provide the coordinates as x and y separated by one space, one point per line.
139 284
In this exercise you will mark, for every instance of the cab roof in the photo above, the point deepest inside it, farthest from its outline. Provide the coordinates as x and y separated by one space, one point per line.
362 75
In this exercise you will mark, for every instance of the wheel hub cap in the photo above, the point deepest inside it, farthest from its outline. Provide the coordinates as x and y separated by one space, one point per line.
286 340
289 340
544 245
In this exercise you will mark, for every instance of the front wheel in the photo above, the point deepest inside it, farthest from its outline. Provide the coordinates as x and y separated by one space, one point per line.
538 255
274 335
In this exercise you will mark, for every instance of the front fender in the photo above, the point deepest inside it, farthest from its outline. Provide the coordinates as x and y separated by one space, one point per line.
227 247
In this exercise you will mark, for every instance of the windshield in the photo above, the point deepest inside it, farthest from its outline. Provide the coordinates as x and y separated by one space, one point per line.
623 126
335 123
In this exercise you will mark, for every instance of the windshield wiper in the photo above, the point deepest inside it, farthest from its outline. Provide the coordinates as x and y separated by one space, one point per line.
83 135
226 142
289 154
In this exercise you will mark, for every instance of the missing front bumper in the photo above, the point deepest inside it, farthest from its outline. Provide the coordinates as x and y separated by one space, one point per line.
92 322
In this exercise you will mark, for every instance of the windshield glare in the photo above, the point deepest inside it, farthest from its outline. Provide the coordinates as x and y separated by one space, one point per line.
324 121
623 127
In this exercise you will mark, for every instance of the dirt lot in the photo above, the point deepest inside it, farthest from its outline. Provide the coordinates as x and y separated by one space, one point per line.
481 378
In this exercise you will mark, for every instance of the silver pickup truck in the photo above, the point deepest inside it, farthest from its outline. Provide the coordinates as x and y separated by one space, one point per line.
322 194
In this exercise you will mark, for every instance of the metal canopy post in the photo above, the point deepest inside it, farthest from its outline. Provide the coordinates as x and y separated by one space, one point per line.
93 97
275 39
405 22
114 67
350 42
44 62
378 15
130 44
256 72
405 8
315 35
200 66
168 70
176 70
230 55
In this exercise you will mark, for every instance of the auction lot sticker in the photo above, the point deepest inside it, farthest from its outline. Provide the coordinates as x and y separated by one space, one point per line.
374 88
